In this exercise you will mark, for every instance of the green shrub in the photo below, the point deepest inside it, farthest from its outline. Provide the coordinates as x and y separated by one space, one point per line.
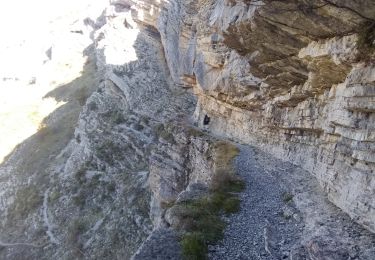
145 119
287 197
111 151
118 118
54 196
200 219
224 176
192 131
75 229
203 217
162 132
158 129
193 246
26 201
80 175
231 205
79 200
167 137
111 187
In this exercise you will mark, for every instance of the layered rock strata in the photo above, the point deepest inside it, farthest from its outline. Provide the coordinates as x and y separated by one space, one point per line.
295 78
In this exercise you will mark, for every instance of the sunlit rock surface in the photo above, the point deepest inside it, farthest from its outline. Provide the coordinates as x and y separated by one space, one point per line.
78 187
293 77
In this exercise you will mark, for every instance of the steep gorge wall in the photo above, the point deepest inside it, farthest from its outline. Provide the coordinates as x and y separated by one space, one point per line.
296 78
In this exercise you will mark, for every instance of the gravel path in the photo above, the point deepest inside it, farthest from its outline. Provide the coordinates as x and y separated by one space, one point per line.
265 227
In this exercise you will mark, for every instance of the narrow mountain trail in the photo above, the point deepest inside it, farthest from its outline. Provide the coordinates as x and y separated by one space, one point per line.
259 230
284 213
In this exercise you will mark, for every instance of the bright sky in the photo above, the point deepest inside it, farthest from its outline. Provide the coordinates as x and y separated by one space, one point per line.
29 27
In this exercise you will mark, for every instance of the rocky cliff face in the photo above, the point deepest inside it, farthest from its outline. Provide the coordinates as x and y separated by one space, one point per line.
293 77
78 188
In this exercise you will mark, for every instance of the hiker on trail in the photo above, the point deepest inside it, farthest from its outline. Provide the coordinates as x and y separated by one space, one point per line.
206 120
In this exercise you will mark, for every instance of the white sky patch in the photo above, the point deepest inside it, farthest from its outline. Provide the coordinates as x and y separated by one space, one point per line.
29 29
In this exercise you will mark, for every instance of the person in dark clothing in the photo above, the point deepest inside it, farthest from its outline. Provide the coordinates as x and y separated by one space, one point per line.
206 120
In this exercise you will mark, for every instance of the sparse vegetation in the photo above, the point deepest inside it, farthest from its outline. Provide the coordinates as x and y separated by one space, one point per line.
193 246
167 205
111 187
192 131
75 229
145 119
26 201
231 205
200 219
82 94
163 132
80 175
286 216
79 200
224 177
109 150
93 182
287 197
202 223
117 118
158 128
167 136
44 131
54 196
92 106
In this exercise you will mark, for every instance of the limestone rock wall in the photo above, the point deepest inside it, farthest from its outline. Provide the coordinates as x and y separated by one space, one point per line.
296 78
182 159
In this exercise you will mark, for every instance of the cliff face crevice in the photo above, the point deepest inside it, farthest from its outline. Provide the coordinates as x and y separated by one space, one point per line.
291 77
